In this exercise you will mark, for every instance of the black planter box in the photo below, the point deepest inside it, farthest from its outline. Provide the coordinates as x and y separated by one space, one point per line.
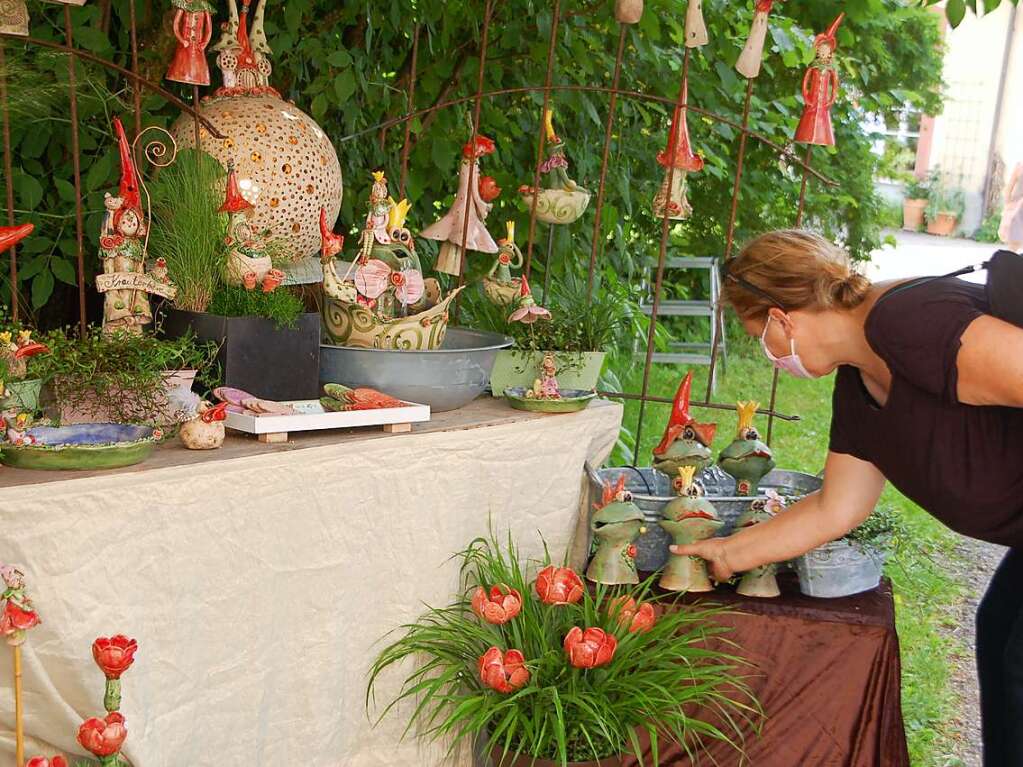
257 356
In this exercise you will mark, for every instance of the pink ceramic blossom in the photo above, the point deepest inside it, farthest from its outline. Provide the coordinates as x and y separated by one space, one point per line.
528 312
590 648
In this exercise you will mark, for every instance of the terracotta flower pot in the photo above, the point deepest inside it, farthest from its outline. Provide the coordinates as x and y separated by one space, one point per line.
943 224
528 761
913 214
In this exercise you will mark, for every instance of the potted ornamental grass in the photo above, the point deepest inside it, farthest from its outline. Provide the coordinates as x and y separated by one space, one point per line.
945 208
914 204
548 672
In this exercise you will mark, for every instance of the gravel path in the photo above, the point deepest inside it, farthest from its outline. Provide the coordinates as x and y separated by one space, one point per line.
974 566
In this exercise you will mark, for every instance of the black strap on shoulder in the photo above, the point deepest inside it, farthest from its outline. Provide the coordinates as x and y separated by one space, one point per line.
924 280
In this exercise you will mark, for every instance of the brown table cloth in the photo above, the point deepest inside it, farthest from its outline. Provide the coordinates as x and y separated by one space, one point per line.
827 674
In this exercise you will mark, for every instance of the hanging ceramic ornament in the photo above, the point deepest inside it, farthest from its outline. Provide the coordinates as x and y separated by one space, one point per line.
451 229
696 28
678 160
499 285
14 17
752 56
287 166
820 89
193 29
562 200
628 11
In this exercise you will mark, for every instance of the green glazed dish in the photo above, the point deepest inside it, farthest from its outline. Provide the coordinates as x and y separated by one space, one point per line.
83 447
572 401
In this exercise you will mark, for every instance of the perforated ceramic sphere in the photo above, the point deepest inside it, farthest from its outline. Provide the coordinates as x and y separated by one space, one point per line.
287 166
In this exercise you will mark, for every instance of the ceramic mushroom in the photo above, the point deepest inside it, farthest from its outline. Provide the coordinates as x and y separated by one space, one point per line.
616 523
686 442
678 161
687 519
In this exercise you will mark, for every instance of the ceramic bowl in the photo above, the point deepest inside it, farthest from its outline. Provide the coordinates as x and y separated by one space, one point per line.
82 447
572 401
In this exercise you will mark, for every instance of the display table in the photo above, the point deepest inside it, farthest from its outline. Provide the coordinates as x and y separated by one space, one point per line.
826 672
258 579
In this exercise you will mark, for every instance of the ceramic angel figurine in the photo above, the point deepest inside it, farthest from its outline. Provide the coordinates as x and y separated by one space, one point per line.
193 29
499 285
687 519
696 28
616 523
820 89
449 230
546 386
686 442
747 459
561 200
678 160
760 581
752 56
14 17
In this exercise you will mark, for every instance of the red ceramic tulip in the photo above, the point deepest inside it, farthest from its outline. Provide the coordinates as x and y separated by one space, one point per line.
640 618
42 761
498 606
590 648
489 190
103 737
504 672
14 619
114 655
559 586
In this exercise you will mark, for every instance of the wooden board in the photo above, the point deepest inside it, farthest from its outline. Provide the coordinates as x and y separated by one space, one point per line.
311 416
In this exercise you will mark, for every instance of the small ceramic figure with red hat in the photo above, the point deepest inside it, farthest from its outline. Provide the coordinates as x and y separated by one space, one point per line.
678 160
752 56
449 230
193 28
243 56
686 442
247 261
820 89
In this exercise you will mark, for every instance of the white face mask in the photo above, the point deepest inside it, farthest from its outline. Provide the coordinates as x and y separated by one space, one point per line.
791 363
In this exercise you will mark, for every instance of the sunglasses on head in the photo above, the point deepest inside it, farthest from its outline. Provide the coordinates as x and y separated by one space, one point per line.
747 285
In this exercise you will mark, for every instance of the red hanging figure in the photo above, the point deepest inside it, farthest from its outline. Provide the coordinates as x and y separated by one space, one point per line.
820 88
193 28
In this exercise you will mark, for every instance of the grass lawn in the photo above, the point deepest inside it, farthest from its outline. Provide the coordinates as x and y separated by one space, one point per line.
923 590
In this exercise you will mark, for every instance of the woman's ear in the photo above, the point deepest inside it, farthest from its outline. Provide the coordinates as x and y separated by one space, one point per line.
783 319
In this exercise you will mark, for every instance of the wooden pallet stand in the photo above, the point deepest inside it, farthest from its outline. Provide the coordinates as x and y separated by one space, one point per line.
274 429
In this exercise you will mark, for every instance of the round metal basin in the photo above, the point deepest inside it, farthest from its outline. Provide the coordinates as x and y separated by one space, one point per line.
445 379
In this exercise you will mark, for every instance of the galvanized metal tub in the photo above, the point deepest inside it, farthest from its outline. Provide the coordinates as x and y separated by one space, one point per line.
445 379
651 490
840 569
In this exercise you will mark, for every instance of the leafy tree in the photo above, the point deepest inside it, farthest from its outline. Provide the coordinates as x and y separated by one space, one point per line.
955 10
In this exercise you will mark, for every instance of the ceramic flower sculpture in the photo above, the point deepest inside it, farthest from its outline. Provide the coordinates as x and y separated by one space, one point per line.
761 581
678 161
616 523
527 311
103 738
114 655
747 459
193 29
17 616
820 89
687 519
499 285
14 17
686 442
562 200
591 648
638 619
503 672
558 586
752 56
696 28
546 386
42 761
498 605
451 229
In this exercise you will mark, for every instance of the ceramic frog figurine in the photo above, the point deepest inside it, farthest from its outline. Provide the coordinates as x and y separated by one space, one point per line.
747 459
686 442
761 581
687 519
616 523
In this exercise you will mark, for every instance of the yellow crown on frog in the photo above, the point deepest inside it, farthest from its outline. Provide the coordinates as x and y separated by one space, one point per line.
396 215
686 475
5 338
510 225
378 176
746 412
548 122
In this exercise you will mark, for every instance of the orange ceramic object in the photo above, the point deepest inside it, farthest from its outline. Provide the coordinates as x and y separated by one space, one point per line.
559 586
590 648
503 672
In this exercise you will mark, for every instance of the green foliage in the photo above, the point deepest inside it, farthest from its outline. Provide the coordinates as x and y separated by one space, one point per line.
988 230
918 189
281 305
955 10
563 713
891 214
884 527
946 199
187 229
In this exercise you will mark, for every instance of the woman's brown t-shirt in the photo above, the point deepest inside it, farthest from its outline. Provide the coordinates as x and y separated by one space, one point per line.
962 463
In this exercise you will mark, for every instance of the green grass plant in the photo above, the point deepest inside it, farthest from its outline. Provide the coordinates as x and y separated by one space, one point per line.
281 306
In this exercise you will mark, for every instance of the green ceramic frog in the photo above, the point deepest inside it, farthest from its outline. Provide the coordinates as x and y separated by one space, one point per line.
685 442
747 458
687 519
616 523
761 581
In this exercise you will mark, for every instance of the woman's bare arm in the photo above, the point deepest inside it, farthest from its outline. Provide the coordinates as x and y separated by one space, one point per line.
850 492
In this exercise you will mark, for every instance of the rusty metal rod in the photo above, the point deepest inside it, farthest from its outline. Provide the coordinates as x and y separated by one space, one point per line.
406 145
143 82
608 134
541 142
9 180
632 396
136 91
76 160
195 119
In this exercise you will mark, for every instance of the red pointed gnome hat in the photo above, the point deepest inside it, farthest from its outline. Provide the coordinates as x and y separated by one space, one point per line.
330 243
680 419
679 151
233 200
830 36
129 191
12 235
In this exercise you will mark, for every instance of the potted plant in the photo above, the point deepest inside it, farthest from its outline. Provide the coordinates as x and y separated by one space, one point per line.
914 204
228 284
20 363
944 209
553 673
855 562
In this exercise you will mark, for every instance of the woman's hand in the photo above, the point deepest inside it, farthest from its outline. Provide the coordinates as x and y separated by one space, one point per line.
713 551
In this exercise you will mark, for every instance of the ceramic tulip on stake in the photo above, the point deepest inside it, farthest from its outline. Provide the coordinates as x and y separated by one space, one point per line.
760 581
820 89
752 56
17 616
696 28
114 656
687 519
686 442
678 160
616 523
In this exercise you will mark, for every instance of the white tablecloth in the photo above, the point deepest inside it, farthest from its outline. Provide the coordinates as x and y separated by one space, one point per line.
258 587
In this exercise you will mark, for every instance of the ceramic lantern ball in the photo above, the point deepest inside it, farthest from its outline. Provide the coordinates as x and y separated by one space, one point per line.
287 166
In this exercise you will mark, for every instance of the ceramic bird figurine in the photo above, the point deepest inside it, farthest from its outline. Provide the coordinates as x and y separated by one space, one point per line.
616 523
747 459
686 442
687 519
820 89
760 581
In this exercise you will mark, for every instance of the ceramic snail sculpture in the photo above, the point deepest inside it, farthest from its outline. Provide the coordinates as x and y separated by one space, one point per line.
686 442
687 519
616 524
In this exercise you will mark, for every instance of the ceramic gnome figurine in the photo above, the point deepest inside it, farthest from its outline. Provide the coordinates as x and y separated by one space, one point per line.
760 581
628 11
678 160
820 89
451 229
206 431
247 262
193 29
686 442
546 386
560 200
752 56
499 286
616 523
17 615
14 17
747 459
688 519
696 28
